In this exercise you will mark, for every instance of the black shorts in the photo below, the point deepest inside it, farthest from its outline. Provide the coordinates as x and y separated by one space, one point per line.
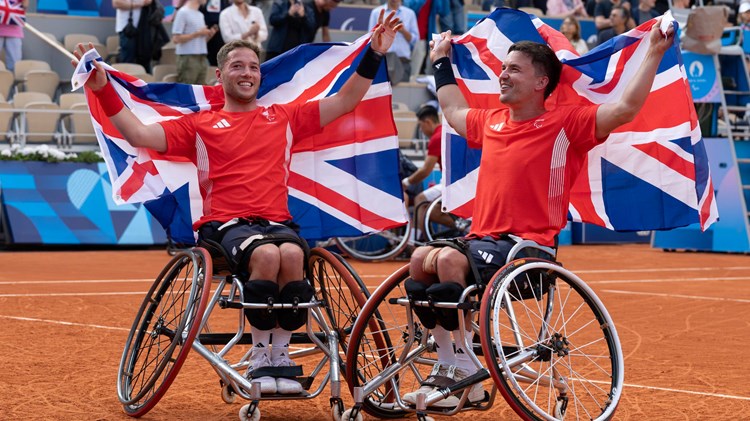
242 237
489 255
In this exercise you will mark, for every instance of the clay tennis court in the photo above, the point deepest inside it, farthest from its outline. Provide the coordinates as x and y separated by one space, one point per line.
64 316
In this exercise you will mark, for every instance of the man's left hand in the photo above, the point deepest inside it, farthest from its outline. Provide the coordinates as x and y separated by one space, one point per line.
385 31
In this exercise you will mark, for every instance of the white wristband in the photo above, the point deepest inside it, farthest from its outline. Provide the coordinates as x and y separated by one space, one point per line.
405 182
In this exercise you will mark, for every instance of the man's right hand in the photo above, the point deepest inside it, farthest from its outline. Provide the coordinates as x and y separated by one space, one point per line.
442 48
98 79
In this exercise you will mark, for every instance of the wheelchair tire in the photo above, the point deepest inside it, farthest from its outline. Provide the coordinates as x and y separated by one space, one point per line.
435 231
371 346
556 354
154 352
376 247
340 288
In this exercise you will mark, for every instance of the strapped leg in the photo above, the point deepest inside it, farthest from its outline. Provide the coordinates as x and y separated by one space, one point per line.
446 292
295 292
417 291
261 292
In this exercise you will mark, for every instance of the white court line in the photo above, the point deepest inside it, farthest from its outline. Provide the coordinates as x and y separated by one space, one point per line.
694 297
637 386
661 280
691 392
59 322
89 281
74 294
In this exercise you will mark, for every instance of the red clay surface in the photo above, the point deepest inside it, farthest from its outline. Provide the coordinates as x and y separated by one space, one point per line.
682 320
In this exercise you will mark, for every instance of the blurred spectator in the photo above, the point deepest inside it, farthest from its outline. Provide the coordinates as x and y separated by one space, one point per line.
211 11
619 18
399 55
604 9
571 28
322 13
189 33
743 16
152 35
427 12
11 39
127 16
645 11
539 4
455 19
242 21
490 5
290 21
563 8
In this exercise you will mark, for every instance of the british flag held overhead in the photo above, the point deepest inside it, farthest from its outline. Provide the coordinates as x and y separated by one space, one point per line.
342 182
650 174
12 12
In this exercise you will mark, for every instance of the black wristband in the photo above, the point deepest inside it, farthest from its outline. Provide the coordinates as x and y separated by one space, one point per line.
370 64
443 72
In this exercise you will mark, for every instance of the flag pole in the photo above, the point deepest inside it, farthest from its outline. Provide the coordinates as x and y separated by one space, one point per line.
49 41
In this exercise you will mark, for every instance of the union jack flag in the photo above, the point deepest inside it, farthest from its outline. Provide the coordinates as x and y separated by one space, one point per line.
12 13
342 182
651 173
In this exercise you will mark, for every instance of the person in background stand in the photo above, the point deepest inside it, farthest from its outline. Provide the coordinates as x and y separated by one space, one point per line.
322 13
399 55
571 28
645 11
211 11
564 8
619 19
455 20
127 15
242 21
189 33
289 20
11 39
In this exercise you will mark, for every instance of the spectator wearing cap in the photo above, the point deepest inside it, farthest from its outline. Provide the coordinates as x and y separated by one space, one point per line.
743 16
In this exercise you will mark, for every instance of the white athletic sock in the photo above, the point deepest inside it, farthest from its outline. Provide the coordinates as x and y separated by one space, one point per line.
444 345
261 339
280 344
462 357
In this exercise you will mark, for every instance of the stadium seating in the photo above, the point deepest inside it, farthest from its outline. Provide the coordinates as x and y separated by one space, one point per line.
45 81
159 71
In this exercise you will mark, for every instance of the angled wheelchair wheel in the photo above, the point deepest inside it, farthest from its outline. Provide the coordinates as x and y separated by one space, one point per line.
370 354
340 288
435 231
163 332
374 247
550 345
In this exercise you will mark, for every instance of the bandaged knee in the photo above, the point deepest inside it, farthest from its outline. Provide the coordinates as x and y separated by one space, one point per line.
417 291
447 292
429 264
295 292
261 292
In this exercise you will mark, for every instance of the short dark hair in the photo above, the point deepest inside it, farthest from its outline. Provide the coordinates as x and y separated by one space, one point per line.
544 60
221 57
427 111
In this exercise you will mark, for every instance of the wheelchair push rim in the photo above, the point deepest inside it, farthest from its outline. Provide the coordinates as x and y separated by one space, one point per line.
175 303
552 348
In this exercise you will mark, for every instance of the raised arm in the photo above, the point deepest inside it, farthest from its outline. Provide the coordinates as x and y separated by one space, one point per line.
611 116
356 87
452 101
136 133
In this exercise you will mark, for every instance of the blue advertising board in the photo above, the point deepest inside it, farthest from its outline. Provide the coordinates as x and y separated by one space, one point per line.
70 204
705 84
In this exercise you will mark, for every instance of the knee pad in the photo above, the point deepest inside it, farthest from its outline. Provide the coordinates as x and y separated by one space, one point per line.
261 292
449 292
417 291
295 292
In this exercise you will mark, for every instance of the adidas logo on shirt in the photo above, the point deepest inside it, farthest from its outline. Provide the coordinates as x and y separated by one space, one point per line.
487 257
223 124
497 127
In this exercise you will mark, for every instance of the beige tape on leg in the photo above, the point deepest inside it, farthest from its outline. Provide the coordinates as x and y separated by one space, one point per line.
429 264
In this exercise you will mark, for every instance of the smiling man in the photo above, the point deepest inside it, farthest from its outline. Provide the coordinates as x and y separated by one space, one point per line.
531 154
242 155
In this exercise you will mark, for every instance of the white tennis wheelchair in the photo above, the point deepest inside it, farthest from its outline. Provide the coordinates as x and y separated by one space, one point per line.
194 288
547 342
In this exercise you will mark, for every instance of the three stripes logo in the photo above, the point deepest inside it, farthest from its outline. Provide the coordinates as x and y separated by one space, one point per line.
487 257
223 124
497 127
